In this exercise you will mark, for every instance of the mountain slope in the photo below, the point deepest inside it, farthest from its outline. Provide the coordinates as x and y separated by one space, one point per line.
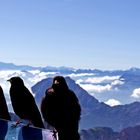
11 66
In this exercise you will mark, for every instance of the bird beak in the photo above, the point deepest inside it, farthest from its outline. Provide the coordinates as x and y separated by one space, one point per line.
9 80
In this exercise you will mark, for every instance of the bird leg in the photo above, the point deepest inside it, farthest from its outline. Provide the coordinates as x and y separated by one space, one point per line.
17 122
54 131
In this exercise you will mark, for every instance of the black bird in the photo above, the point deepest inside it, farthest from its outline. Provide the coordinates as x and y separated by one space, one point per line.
61 109
4 114
23 103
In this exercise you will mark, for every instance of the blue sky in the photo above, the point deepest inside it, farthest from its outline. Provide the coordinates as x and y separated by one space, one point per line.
102 34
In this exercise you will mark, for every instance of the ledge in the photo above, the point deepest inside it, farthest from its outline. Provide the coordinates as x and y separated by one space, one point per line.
7 132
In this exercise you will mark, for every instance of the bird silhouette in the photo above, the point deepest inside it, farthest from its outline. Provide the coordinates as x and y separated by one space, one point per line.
61 109
4 114
23 103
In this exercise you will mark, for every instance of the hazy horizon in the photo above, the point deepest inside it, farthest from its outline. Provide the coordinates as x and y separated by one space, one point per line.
36 66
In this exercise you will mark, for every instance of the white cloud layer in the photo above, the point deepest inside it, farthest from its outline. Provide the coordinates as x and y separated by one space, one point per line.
96 88
79 81
80 74
100 84
113 102
136 93
101 79
117 82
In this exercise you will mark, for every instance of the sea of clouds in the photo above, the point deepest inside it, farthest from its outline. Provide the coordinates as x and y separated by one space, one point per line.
94 84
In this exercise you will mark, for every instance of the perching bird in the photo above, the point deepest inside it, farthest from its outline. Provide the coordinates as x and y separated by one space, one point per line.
61 109
4 114
23 103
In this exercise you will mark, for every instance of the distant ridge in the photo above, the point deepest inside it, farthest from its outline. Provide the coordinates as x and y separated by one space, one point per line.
63 69
11 66
104 133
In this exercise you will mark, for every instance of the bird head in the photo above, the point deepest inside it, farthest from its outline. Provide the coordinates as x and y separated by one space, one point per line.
59 83
16 81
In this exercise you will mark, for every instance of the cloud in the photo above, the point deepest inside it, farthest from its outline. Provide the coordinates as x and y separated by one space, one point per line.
100 84
80 74
113 102
79 81
96 88
136 93
34 71
5 86
102 79
117 82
